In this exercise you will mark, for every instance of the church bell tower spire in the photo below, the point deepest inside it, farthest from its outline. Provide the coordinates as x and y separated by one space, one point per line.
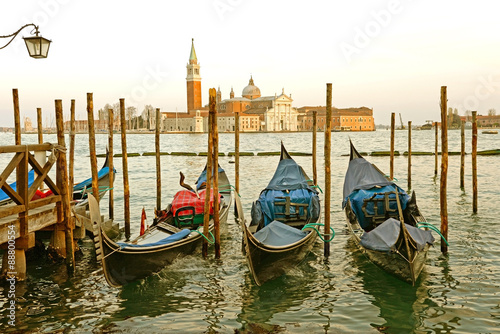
193 82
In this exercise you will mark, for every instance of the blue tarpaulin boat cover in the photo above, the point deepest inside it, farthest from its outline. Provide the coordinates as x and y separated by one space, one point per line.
203 177
362 180
279 234
384 237
357 198
168 240
31 179
362 175
288 181
88 182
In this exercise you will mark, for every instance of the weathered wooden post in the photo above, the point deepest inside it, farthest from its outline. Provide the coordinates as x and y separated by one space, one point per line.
393 128
444 169
315 131
158 162
215 168
409 156
71 147
39 125
474 161
328 174
41 156
436 148
237 152
17 117
62 182
111 122
462 155
93 157
206 208
19 267
126 190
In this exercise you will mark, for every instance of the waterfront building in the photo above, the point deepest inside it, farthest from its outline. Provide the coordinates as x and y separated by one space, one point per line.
347 119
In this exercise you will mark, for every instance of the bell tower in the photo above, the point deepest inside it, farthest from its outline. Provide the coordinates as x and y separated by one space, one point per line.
193 82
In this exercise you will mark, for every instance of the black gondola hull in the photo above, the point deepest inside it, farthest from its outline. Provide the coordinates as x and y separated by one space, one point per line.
127 264
267 263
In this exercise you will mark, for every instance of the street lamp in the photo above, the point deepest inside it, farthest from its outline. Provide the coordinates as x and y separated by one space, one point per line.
38 47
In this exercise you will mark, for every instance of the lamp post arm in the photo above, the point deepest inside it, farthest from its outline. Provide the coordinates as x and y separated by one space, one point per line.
17 32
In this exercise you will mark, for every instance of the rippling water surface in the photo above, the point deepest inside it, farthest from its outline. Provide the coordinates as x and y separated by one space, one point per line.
456 293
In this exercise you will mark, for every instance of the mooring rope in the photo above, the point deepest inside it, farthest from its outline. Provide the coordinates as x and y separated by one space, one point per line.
211 242
311 225
434 228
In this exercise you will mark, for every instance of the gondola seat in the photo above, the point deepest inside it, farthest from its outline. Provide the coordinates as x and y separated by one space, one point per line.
292 213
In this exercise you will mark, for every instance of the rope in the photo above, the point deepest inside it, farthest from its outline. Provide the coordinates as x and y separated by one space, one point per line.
211 242
318 188
229 186
434 228
311 225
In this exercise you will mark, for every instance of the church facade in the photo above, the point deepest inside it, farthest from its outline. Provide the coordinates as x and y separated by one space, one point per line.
256 112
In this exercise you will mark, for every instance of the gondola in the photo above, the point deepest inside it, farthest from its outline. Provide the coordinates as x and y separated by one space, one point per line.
281 230
176 232
384 220
80 190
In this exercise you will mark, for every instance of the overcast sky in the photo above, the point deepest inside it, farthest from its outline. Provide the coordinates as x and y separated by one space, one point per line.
392 56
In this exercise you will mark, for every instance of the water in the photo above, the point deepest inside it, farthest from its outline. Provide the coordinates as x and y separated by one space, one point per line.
456 293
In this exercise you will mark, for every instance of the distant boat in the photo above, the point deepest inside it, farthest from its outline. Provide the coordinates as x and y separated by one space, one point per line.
490 132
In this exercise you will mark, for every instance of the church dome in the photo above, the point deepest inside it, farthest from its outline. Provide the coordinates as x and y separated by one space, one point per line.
251 91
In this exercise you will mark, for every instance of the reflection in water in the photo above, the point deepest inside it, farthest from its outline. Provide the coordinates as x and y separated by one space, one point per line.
456 293
393 297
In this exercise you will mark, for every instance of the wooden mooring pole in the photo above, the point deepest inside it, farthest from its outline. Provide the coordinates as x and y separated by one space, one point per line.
17 117
111 122
328 173
444 169
62 182
237 153
206 208
126 190
39 125
436 148
158 160
71 147
215 167
315 131
462 155
41 157
474 161
409 156
393 128
93 156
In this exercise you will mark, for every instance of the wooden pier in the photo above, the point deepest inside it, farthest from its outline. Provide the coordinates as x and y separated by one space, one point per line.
21 217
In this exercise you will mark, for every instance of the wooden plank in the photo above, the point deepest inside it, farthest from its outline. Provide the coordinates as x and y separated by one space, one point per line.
37 219
11 210
44 201
22 148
